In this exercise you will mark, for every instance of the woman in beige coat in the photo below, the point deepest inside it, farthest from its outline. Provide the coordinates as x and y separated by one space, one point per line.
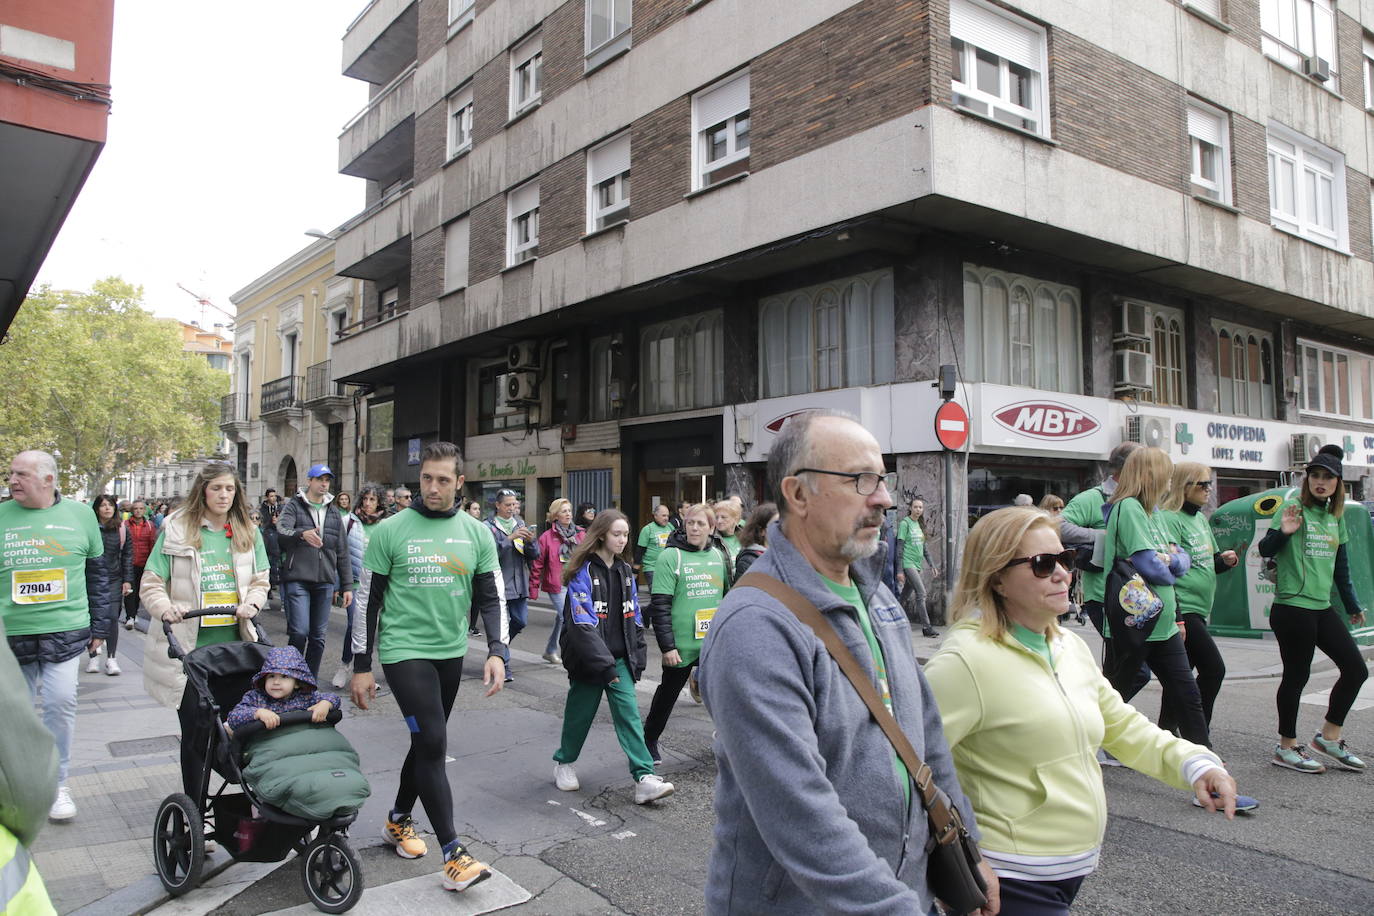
208 555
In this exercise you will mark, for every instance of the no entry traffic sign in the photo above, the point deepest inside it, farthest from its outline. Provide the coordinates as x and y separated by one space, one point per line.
951 425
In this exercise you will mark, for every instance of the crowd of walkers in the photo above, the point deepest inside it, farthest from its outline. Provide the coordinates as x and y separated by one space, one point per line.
756 614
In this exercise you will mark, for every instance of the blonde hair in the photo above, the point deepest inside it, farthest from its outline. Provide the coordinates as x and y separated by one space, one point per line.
556 507
1334 504
193 510
729 507
994 542
1144 476
1184 473
700 509
1049 502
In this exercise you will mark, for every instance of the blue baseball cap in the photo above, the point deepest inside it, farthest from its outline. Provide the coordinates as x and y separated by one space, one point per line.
319 470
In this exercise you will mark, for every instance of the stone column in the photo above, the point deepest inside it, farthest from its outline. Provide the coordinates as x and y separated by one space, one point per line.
739 480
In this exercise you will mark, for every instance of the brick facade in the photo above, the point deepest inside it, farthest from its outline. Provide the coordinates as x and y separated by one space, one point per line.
433 29
427 267
1250 179
653 16
562 203
487 249
491 98
563 48
660 157
431 140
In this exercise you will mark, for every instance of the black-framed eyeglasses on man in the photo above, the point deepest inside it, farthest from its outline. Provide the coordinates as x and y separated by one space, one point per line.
865 482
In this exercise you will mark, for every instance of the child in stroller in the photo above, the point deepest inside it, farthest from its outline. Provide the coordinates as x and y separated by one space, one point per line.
274 814
284 684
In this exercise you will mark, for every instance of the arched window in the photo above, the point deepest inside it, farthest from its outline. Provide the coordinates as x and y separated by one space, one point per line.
680 363
1245 372
1013 336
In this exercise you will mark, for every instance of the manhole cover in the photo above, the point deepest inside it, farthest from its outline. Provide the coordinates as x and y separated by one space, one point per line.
140 747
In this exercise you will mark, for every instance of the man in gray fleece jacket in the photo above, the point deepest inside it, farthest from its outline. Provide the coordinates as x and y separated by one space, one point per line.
814 814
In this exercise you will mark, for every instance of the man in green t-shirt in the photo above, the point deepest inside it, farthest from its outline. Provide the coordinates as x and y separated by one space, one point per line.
53 597
653 537
430 566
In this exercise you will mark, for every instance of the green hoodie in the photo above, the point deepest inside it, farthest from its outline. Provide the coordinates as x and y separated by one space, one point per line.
1024 738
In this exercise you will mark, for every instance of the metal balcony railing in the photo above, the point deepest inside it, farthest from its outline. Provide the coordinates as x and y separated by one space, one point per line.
282 393
318 386
233 407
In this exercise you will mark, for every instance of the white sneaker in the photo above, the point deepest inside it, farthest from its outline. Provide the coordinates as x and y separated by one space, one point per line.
111 667
129 624
565 777
93 666
63 808
651 788
343 676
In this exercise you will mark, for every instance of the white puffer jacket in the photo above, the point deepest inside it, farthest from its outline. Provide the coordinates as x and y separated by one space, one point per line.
162 676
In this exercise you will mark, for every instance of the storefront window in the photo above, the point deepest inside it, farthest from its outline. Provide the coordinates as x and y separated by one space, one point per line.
1021 331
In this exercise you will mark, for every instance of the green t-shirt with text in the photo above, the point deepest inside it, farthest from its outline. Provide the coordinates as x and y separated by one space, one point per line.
696 580
731 542
653 537
1198 586
43 554
1136 531
1307 563
430 563
913 543
218 586
851 594
1085 511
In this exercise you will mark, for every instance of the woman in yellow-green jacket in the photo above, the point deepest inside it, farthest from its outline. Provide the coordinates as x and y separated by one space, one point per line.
1025 708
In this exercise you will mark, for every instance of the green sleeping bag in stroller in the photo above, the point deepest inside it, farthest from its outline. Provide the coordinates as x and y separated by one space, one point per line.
310 771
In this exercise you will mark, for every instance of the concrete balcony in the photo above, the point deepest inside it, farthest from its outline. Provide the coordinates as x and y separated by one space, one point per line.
380 140
376 243
234 419
327 399
381 41
281 399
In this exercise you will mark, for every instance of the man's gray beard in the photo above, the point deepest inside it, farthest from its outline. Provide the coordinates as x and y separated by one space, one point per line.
854 550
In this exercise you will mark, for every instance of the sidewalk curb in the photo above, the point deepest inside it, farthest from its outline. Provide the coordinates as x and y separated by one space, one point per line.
147 893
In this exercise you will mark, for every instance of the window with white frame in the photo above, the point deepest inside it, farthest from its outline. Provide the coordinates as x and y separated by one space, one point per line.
522 222
607 21
720 124
456 237
1306 187
1301 34
1367 65
608 183
459 12
599 379
999 65
1245 372
1335 382
526 74
1209 142
1210 7
681 363
387 301
1166 349
1021 331
460 121
833 335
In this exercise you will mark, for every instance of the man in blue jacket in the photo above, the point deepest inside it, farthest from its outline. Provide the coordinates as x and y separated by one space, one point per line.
814 811
315 562
517 546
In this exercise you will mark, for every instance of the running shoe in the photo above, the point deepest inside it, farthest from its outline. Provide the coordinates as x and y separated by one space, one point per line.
565 777
93 666
63 808
343 676
1337 752
129 624
1296 758
651 788
1244 803
111 667
462 871
693 687
401 833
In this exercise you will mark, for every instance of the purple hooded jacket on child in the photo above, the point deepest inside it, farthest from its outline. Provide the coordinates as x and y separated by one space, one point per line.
285 660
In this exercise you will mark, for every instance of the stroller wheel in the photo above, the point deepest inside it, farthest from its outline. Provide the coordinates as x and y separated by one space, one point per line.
178 843
332 874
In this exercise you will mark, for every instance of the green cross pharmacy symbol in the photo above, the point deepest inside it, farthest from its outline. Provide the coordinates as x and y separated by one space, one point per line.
1182 437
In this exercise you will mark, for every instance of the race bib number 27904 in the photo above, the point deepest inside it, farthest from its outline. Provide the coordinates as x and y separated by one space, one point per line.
39 586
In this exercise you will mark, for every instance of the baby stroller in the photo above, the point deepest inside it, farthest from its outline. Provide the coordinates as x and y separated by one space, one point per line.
249 828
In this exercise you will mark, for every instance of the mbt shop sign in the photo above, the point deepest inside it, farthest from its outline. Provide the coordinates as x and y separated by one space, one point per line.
1018 421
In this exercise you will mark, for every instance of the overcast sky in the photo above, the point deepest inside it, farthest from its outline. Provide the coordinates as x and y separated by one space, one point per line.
222 149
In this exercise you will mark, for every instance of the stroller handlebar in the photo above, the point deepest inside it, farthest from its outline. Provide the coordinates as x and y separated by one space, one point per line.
295 717
174 649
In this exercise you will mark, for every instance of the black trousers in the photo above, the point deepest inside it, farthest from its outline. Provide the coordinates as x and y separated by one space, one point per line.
1205 658
665 698
1300 632
1038 898
131 600
1169 661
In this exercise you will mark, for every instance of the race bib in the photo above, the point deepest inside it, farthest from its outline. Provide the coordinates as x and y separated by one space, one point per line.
219 599
662 540
704 621
39 586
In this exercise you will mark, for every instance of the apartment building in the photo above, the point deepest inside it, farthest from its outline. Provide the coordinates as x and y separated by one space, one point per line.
285 412
610 245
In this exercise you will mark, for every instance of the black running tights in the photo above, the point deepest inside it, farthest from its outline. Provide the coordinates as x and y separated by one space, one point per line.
425 689
1300 632
665 698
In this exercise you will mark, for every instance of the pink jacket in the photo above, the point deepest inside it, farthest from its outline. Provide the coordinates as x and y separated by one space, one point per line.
547 572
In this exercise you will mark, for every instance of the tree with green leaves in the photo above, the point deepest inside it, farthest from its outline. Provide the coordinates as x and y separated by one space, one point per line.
96 379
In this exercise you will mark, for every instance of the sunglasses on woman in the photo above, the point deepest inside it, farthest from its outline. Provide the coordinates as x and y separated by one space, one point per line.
1042 564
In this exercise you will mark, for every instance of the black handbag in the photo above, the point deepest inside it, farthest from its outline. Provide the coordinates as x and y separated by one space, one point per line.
1131 607
952 858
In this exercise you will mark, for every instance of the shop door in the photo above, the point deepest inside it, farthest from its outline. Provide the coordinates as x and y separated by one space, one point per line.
696 485
592 486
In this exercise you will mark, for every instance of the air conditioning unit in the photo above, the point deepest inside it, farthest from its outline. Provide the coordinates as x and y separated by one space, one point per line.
1135 370
1148 430
523 355
1305 447
1317 68
1135 321
522 388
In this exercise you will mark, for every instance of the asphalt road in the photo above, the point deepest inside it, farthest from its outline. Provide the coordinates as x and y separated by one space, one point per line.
1310 847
